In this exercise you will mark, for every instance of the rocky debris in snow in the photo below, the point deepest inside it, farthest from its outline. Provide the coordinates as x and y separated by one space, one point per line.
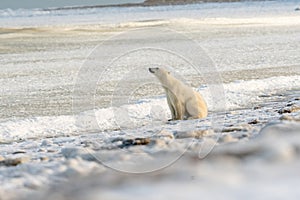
19 152
276 141
255 121
135 141
13 161
165 134
289 109
227 139
44 159
290 118
244 127
192 134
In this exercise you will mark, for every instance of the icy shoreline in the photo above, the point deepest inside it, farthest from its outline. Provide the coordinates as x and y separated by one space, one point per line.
248 149
238 95
257 143
261 168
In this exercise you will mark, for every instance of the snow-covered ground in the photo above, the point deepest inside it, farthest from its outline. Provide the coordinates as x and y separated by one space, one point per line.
79 109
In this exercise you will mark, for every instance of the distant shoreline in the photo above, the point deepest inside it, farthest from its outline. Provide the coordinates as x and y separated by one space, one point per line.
148 3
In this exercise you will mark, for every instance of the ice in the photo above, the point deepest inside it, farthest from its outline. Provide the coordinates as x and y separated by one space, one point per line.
240 94
247 147
243 94
231 169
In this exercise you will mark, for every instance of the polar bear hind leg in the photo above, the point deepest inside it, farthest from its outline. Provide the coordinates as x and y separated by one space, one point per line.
192 111
196 108
201 106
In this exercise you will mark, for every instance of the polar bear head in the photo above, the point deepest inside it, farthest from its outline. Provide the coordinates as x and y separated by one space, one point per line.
159 72
162 75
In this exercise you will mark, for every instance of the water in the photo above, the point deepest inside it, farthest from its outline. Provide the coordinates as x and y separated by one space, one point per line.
114 16
30 4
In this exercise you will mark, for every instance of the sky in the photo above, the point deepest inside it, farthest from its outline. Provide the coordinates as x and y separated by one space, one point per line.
15 4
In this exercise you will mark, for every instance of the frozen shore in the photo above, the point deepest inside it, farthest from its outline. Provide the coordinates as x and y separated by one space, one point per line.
264 168
248 146
255 154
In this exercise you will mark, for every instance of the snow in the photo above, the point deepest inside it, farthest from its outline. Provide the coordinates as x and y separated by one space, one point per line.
238 95
74 148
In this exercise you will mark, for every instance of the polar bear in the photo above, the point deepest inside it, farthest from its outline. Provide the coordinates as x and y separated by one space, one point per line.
183 101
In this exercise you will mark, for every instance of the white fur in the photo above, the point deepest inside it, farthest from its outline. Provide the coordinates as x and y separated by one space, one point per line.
183 101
